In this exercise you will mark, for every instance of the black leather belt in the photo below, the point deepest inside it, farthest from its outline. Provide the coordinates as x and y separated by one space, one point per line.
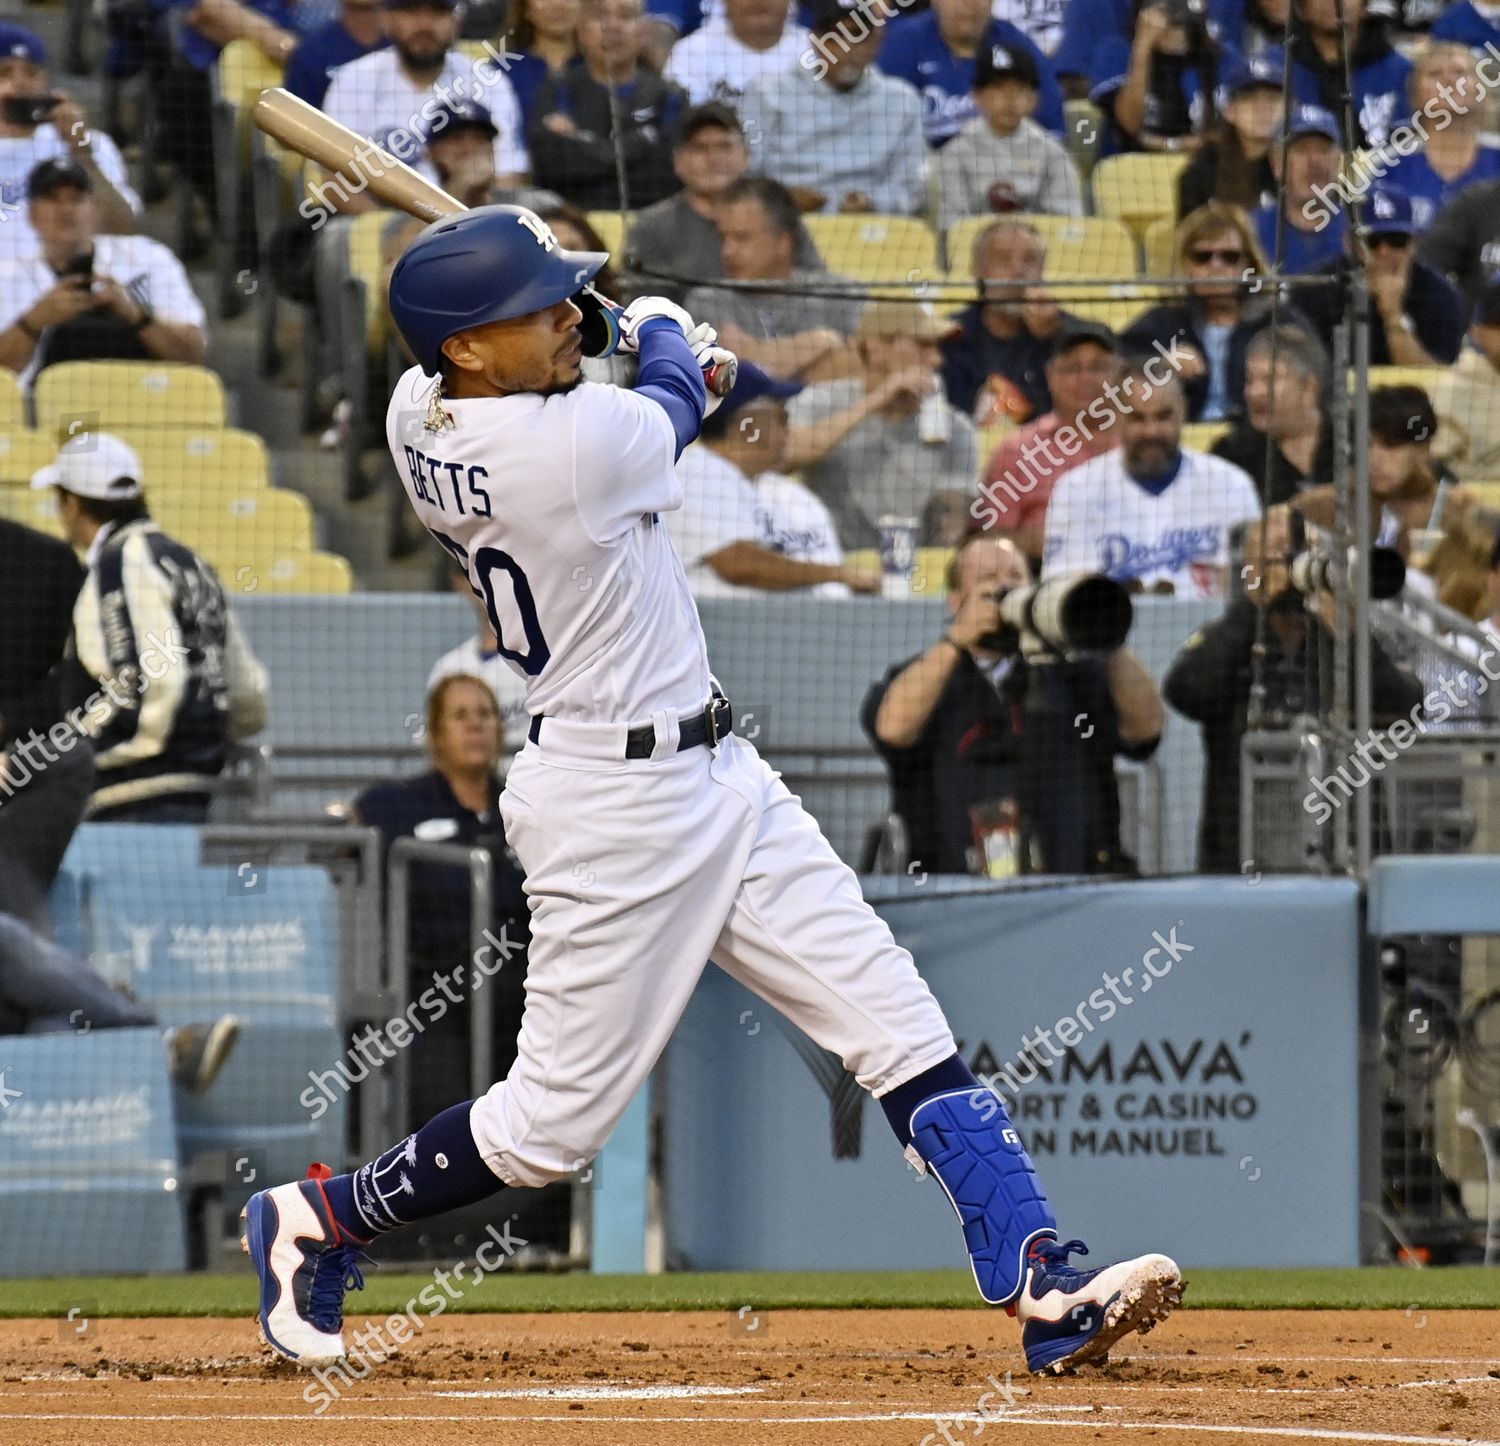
716 721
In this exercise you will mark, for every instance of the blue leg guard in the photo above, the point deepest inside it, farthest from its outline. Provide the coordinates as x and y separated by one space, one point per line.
966 1139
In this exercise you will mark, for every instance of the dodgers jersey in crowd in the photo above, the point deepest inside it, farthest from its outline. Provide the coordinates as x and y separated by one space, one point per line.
21 155
373 97
552 505
1100 519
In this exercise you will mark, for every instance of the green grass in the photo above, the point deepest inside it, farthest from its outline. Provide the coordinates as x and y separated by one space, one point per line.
1372 1288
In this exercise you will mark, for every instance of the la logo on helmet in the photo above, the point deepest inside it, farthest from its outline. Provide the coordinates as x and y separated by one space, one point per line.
540 229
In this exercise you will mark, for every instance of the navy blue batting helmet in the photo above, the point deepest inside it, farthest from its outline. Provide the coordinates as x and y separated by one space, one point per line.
489 264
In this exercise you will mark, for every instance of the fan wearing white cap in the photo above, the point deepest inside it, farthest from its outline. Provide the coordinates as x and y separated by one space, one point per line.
170 681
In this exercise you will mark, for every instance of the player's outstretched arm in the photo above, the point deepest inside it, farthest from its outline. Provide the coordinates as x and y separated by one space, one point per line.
669 375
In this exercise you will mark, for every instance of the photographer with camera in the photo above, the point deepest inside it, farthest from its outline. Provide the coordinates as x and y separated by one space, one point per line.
1211 678
87 297
40 124
990 771
1157 89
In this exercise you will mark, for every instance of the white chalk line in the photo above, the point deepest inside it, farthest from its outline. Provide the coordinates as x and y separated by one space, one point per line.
1011 1418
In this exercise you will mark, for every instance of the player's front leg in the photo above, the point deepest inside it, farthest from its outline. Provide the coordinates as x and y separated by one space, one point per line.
1068 1317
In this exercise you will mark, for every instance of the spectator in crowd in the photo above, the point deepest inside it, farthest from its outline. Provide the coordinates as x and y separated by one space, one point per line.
1149 514
1446 97
679 236
1418 507
1380 76
457 801
994 366
45 784
479 656
837 133
749 39
354 32
788 333
1002 160
743 525
1025 467
152 633
1090 24
1416 315
573 131
38 586
1471 23
1283 440
460 137
38 123
87 297
1156 90
1466 398
936 53
1314 229
1234 164
1212 678
964 725
887 441
542 35
381 96
1207 332
668 21
1265 25
1463 242
184 87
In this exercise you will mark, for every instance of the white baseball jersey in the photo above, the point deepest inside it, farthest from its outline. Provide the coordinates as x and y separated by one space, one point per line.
718 510
553 505
145 268
795 523
20 156
710 64
1099 519
508 687
374 97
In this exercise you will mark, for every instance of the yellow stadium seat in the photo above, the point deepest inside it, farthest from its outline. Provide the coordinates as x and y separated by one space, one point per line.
611 228
34 509
1161 259
1116 307
1201 436
366 263
238 527
876 248
1077 246
22 452
929 578
299 572
1424 377
1487 494
89 396
182 458
12 400
245 71
1138 187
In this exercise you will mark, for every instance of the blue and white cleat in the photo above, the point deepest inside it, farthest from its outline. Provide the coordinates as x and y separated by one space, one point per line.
305 1264
1069 1317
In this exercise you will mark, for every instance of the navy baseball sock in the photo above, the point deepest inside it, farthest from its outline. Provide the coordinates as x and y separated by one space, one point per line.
950 1074
439 1168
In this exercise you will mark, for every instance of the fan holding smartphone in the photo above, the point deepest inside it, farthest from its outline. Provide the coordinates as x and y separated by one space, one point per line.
86 296
38 123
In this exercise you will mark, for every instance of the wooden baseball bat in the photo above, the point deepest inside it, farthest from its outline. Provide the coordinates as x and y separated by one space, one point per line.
309 132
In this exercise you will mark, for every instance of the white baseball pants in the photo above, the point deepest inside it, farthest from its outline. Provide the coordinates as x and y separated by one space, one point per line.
638 873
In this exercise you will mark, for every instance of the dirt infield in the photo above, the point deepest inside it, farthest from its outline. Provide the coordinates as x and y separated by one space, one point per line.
790 1378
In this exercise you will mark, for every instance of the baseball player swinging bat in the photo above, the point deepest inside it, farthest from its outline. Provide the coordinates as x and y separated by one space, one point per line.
654 839
309 132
